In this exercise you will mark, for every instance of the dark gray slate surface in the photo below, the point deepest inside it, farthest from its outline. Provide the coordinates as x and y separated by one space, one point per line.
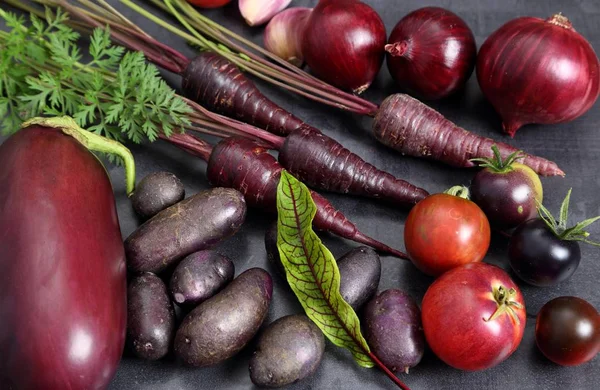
574 146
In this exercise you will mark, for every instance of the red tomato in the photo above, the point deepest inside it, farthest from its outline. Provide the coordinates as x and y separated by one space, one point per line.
473 316
209 3
444 231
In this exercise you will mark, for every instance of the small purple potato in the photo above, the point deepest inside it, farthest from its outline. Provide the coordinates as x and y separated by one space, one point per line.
393 329
156 192
221 326
360 271
199 276
196 223
150 317
289 350
272 251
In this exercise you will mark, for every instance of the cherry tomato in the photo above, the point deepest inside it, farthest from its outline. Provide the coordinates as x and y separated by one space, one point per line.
209 3
473 316
567 331
508 195
444 231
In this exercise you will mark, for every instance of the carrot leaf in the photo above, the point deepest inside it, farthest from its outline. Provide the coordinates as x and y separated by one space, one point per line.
312 271
112 93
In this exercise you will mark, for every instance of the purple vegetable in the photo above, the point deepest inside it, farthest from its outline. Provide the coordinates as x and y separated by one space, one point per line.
220 327
156 192
193 224
289 350
242 164
199 276
393 329
322 162
360 271
220 86
150 317
63 292
413 128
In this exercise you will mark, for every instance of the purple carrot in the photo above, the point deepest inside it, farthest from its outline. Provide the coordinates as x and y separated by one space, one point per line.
220 86
248 167
322 162
413 128
217 84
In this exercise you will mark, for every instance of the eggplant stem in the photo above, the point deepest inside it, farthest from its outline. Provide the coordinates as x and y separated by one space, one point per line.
91 141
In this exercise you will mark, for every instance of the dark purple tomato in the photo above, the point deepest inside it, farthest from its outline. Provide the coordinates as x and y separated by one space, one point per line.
507 197
567 331
539 256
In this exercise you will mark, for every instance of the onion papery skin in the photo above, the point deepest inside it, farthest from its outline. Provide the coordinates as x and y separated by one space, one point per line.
538 71
344 43
284 33
431 53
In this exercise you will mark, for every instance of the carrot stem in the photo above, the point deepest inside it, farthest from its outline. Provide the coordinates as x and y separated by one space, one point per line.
245 128
190 144
157 52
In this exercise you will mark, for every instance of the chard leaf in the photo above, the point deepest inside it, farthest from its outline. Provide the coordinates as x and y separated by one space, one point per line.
312 271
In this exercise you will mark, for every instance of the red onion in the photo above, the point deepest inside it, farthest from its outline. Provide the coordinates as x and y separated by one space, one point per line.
343 43
538 71
431 53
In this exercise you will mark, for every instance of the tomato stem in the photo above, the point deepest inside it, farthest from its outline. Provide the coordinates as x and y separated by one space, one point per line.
505 300
460 191
497 164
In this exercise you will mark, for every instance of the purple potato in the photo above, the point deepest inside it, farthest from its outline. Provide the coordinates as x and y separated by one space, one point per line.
199 276
156 192
221 326
272 251
196 223
289 350
360 271
393 329
507 198
150 317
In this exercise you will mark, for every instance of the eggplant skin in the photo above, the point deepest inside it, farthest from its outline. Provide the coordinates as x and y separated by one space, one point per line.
220 327
63 281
